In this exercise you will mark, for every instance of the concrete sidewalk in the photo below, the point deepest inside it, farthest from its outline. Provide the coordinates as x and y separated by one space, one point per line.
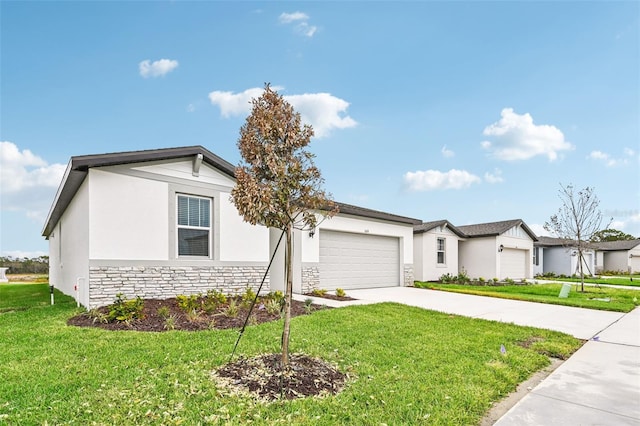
598 385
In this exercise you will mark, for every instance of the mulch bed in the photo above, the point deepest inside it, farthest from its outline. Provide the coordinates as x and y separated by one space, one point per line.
152 321
331 296
264 377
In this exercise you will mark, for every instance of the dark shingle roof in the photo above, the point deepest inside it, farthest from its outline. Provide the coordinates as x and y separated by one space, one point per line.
554 242
495 228
79 166
428 226
616 245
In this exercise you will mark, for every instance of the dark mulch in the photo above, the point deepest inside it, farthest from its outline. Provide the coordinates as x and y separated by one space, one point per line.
217 319
331 296
264 377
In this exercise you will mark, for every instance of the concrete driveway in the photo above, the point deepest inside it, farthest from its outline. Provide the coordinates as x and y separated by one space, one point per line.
598 385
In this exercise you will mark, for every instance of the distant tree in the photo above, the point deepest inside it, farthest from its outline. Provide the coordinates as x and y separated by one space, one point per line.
277 183
611 235
578 220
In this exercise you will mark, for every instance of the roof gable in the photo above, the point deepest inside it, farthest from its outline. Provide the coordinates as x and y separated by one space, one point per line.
428 226
491 229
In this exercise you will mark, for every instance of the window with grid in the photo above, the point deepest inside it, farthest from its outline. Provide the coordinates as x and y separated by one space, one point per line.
194 226
441 251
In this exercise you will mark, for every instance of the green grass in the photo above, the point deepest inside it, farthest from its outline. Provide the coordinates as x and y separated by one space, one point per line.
620 300
407 366
611 281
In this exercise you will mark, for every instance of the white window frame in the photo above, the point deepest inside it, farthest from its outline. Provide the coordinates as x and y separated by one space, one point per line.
443 251
536 256
208 228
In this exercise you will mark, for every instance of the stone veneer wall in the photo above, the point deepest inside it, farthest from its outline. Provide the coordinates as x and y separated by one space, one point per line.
310 278
408 274
163 282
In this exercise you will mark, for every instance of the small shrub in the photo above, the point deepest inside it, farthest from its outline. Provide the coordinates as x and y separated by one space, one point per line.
308 305
213 300
170 322
247 297
212 324
481 280
495 280
275 295
447 278
462 277
319 292
232 309
340 292
509 281
124 310
273 306
98 316
188 303
193 315
163 312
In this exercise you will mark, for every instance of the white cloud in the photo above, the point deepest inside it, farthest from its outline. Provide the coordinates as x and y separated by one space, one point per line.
516 137
609 161
301 20
157 68
447 153
287 18
27 182
429 180
495 177
323 111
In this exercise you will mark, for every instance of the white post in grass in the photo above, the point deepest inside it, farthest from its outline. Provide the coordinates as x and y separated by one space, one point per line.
3 276
51 291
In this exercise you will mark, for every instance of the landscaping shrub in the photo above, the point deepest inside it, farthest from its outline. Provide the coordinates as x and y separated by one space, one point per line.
124 310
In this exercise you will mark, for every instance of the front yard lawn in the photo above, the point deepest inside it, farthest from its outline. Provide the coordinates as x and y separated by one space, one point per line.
406 366
633 280
620 300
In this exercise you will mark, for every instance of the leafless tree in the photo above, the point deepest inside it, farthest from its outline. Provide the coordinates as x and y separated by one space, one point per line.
277 183
578 220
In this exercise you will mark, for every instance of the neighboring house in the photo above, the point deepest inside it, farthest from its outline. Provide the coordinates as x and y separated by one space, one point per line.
497 250
435 250
623 256
159 223
560 256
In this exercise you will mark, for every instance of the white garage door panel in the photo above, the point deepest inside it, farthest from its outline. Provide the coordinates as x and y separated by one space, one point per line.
513 263
351 261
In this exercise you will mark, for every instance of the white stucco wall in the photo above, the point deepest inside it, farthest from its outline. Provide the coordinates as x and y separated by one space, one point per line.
239 240
129 217
557 260
478 257
426 266
70 247
634 259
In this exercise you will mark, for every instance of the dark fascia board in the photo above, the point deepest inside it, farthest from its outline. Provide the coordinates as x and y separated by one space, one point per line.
79 166
493 229
375 214
428 226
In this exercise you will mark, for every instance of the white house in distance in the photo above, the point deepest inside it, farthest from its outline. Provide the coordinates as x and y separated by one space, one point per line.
622 256
159 223
560 256
435 249
497 250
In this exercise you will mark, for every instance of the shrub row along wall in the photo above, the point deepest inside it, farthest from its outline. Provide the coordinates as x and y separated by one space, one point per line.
163 282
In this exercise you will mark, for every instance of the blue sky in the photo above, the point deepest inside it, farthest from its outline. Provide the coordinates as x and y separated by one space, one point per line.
466 111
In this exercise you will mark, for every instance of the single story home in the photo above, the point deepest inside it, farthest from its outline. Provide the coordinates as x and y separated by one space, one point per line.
486 250
622 256
435 250
497 250
158 223
560 256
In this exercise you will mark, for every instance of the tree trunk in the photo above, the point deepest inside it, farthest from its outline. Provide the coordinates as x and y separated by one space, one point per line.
288 261
580 260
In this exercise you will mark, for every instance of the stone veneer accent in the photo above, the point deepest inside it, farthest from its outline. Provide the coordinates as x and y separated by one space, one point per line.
408 274
163 282
310 278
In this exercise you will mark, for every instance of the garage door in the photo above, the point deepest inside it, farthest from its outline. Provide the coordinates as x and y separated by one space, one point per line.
351 261
513 263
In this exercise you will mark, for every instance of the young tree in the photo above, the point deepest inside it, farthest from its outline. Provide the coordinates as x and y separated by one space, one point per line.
277 183
578 220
